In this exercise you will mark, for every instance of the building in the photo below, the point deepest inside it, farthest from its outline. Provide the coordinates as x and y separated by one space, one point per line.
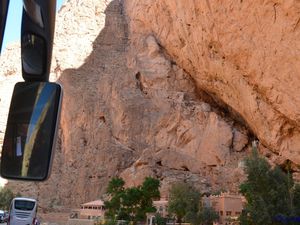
161 207
228 206
92 210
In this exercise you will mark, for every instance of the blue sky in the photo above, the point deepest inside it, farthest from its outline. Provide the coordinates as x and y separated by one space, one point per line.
13 22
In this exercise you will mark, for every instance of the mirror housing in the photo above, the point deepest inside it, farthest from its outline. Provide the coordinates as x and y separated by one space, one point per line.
37 31
31 130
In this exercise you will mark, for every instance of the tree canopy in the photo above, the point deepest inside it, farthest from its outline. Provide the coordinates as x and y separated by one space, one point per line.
185 204
132 203
6 196
269 193
206 216
183 201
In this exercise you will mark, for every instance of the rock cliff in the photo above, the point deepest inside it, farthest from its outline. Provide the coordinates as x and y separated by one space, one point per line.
171 89
244 54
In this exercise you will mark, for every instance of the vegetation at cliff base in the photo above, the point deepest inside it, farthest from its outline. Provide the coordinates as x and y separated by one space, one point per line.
131 204
271 194
185 204
6 196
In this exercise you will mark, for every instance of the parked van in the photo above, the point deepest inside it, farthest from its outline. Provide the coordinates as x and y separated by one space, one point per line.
3 216
23 212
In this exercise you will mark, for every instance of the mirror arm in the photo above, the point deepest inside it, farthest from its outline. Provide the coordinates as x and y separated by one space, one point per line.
3 14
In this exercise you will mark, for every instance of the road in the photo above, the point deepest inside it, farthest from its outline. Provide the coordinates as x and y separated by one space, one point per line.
41 223
51 218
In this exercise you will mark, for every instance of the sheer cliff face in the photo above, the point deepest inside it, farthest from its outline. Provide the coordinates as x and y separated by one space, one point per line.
246 54
170 89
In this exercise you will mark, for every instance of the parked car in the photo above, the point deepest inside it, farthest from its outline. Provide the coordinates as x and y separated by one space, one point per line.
3 216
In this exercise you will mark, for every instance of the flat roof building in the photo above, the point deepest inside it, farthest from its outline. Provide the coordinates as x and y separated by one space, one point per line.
228 206
161 207
92 209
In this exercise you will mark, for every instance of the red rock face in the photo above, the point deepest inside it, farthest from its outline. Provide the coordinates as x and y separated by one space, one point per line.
244 53
171 89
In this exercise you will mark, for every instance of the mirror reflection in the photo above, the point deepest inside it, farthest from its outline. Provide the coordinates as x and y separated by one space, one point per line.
33 54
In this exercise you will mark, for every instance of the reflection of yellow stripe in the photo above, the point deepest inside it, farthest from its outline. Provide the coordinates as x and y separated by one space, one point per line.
41 87
30 144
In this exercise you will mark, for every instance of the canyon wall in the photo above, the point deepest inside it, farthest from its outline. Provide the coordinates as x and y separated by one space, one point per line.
243 53
176 90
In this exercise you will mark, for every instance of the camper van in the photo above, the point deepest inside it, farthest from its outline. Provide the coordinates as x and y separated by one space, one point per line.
23 212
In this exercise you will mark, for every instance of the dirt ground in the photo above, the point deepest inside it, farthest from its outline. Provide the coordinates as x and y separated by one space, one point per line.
53 218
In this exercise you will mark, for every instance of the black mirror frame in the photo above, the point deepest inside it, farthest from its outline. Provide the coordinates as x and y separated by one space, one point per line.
53 133
3 15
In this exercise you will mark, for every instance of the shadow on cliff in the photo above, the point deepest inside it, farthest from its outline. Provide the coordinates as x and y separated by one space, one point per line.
87 97
111 41
89 86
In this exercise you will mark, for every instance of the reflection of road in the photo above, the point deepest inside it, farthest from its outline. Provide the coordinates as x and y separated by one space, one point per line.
2 223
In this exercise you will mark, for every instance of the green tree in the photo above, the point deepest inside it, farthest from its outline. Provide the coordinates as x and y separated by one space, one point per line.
116 185
149 192
6 196
159 220
296 199
269 192
184 202
133 203
207 215
116 190
194 207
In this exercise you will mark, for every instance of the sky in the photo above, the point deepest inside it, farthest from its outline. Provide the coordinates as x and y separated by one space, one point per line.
13 22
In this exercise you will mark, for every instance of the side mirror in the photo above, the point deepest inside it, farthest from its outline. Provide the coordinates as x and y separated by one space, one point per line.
31 131
37 32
